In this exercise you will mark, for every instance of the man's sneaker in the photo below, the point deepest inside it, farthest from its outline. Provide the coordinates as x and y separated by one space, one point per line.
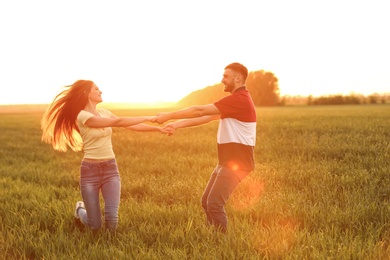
79 204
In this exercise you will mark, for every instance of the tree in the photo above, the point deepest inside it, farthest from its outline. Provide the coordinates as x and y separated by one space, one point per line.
264 88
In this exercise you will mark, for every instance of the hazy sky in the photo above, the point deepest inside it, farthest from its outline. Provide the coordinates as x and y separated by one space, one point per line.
146 51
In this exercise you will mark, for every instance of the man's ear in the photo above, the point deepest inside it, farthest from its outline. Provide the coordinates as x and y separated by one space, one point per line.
238 78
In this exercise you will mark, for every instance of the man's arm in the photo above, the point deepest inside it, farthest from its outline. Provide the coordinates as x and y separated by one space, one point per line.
171 127
190 112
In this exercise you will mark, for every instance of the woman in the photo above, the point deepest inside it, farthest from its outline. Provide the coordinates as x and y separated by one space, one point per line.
73 120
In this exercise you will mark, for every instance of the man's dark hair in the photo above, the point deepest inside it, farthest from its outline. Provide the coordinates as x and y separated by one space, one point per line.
239 68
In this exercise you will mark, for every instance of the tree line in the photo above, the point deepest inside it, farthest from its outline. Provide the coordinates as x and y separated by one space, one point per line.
262 85
264 89
351 99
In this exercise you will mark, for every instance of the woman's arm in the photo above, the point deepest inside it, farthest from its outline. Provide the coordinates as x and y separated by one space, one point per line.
99 122
146 128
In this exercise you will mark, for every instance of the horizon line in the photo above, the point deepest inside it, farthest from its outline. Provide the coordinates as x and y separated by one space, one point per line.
167 103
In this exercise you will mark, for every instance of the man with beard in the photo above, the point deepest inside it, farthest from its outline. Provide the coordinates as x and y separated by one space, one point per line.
235 139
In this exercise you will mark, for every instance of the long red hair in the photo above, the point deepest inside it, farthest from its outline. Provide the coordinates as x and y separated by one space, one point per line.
59 123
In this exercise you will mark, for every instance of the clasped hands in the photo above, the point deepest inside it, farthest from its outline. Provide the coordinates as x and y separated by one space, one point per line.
161 118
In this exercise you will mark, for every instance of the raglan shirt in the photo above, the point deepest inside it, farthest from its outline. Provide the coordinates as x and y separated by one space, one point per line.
236 136
96 141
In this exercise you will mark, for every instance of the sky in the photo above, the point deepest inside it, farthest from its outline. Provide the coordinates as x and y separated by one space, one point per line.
160 51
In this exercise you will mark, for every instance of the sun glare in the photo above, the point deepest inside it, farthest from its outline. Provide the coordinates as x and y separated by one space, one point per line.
160 62
252 191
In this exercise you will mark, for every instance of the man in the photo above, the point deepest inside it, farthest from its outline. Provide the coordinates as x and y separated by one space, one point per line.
236 140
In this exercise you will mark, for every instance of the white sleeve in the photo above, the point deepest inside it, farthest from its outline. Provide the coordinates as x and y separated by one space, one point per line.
83 116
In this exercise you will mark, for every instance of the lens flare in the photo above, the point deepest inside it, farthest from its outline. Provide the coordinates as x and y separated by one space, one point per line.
247 194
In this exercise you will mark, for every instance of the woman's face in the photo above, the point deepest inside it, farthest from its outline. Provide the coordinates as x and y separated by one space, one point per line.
95 95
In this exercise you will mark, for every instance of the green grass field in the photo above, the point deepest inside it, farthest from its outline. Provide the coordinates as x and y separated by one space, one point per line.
321 190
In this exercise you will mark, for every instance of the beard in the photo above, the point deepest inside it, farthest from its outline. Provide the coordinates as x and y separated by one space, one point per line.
228 88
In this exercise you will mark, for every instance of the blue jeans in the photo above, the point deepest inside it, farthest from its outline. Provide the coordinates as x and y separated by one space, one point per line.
94 177
222 183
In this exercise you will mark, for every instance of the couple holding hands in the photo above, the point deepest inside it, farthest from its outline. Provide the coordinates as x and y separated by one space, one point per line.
73 120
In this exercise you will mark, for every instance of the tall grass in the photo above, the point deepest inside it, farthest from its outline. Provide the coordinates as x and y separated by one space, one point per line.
321 190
